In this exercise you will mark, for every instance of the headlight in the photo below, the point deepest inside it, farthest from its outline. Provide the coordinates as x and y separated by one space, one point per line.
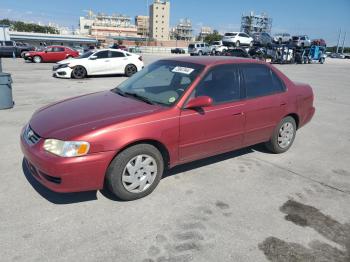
63 66
66 148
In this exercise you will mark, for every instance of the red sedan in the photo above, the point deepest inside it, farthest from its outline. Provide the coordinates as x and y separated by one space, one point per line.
51 54
172 112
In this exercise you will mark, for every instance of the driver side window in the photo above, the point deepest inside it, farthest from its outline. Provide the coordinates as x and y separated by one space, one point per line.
102 55
221 84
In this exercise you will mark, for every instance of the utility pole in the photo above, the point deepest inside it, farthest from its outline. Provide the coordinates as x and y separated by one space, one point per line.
342 50
338 40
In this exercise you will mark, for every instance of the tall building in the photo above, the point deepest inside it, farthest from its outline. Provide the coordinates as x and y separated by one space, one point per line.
253 23
101 26
142 25
183 30
159 13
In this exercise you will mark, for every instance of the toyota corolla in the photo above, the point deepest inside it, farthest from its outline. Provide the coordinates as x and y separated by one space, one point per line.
172 112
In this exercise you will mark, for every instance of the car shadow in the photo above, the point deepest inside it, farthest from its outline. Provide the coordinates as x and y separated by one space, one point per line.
57 198
206 161
70 198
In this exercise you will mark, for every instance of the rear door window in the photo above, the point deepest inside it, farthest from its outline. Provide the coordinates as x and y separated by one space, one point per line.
115 54
58 49
259 80
9 43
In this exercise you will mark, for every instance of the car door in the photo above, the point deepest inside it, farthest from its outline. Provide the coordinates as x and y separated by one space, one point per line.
58 54
101 64
118 62
265 102
217 128
8 48
244 38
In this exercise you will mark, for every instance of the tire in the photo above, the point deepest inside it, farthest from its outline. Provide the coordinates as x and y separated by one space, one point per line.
130 186
37 59
280 41
130 70
79 72
200 53
251 44
237 43
322 60
69 57
280 143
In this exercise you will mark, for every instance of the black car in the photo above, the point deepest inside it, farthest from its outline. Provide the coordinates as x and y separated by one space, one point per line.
11 48
262 39
236 52
178 51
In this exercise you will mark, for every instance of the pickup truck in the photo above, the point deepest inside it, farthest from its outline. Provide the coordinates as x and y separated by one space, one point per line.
11 48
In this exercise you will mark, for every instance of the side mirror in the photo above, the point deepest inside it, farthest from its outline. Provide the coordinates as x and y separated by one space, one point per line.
198 102
93 57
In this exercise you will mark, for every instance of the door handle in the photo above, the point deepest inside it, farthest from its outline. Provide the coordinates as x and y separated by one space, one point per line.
283 103
106 60
238 114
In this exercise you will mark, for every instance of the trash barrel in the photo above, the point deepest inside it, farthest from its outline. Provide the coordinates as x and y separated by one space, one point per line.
6 91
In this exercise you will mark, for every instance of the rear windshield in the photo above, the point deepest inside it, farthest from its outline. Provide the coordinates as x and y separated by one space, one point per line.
230 34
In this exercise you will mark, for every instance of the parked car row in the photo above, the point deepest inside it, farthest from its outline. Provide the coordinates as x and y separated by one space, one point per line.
12 48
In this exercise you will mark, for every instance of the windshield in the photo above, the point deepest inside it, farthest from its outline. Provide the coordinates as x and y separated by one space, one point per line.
86 55
230 34
162 82
216 43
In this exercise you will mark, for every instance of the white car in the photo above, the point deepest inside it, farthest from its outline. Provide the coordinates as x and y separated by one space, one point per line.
237 39
217 47
99 62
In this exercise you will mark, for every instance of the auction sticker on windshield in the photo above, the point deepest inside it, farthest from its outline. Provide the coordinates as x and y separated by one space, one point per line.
183 70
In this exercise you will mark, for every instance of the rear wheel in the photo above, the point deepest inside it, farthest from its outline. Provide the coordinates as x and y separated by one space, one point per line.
237 44
37 59
283 136
200 53
79 72
130 70
135 172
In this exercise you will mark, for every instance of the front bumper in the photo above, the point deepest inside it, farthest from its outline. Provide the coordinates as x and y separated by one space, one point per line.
66 174
62 72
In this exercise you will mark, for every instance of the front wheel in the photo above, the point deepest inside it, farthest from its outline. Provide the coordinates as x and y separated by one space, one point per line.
79 72
130 70
135 172
283 136
23 54
237 44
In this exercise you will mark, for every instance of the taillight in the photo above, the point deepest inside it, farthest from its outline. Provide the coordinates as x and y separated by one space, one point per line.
140 58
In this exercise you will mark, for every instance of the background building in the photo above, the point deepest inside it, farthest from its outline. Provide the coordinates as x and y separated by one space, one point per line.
142 25
253 23
183 30
159 20
205 30
102 26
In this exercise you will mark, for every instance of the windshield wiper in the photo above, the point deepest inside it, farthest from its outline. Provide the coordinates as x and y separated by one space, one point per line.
118 91
142 98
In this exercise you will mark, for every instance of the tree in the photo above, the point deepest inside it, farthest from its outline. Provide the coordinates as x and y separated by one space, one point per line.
28 27
210 38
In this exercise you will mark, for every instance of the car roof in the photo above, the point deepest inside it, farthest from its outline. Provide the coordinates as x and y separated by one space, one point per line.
214 60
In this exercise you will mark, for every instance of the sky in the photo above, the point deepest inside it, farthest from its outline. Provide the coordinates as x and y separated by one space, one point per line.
318 19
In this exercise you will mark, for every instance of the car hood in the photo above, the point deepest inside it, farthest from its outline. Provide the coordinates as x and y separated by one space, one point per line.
77 116
72 61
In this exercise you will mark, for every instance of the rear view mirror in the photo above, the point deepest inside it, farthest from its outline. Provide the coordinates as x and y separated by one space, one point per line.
198 102
93 57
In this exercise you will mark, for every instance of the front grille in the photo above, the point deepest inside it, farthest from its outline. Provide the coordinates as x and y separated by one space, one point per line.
30 136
